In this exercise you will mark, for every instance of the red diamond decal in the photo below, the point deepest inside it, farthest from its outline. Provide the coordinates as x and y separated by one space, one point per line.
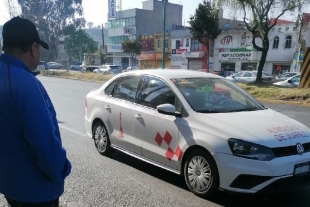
158 139
169 154
167 138
179 153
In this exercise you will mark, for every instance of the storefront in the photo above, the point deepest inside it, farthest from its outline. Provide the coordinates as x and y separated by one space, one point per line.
279 68
152 60
196 60
178 61
234 60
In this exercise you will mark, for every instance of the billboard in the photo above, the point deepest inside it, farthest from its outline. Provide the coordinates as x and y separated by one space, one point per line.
112 8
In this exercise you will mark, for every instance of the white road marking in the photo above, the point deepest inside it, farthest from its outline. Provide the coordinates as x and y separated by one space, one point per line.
74 131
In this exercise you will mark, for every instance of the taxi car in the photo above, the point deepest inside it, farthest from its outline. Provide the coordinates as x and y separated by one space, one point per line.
200 126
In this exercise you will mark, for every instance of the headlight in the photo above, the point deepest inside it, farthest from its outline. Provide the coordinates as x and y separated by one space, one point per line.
249 150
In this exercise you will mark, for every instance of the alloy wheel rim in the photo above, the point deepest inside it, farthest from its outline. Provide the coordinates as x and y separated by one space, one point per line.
101 138
199 173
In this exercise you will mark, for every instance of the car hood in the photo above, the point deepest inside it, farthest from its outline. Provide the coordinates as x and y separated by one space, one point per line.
265 127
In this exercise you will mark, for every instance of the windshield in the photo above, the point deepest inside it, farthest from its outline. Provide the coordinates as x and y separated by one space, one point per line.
214 95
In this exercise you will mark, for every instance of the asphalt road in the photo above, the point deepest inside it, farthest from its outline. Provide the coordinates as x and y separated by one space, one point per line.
120 180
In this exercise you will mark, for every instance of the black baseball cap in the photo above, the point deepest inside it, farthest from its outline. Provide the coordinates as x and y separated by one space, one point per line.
21 32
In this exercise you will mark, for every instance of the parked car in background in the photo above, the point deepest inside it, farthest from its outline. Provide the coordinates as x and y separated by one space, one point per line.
76 66
106 68
292 82
42 66
285 76
54 65
250 77
131 68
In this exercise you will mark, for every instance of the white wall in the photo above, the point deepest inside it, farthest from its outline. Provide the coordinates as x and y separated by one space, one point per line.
177 60
117 61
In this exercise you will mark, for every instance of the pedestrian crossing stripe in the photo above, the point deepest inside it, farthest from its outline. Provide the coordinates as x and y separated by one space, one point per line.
305 71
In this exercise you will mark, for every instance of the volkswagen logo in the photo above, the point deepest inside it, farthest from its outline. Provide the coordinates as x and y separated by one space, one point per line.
300 149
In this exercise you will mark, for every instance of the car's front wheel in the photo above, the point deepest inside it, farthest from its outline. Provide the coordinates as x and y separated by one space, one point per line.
201 173
101 139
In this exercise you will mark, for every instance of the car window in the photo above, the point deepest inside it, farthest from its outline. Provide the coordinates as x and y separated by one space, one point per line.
109 89
115 67
126 88
296 79
239 74
246 74
215 95
155 92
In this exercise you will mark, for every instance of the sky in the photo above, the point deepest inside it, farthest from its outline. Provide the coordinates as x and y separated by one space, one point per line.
96 10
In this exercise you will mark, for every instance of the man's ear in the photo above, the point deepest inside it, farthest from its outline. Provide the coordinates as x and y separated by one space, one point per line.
34 49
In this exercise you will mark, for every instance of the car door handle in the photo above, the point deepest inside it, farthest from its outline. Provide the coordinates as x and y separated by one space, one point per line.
138 116
108 107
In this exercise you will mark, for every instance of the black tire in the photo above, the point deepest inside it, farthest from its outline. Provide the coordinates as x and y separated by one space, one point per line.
212 187
99 140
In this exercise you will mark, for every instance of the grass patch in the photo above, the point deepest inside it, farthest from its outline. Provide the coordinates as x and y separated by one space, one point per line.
275 93
88 76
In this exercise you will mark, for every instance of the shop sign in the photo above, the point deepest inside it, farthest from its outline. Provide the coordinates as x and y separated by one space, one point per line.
129 30
150 56
235 56
226 40
115 48
147 44
178 51
112 8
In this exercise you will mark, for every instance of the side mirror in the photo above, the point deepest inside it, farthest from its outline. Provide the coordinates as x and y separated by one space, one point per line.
289 81
167 109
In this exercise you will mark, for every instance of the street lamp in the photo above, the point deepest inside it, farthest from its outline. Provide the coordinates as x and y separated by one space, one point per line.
164 40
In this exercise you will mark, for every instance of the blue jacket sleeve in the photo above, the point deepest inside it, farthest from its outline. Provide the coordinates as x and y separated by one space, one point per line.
37 118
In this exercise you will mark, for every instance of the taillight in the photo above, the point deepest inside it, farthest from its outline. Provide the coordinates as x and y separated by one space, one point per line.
86 107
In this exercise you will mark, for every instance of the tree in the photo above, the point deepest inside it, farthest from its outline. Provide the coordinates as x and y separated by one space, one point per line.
54 19
256 17
205 24
132 48
78 43
90 25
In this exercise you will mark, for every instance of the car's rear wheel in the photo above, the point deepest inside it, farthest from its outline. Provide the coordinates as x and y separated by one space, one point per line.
101 139
201 173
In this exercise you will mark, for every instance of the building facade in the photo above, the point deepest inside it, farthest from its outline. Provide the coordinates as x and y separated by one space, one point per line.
134 23
152 47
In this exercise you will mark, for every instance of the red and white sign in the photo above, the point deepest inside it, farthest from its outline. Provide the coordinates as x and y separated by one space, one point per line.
226 40
181 51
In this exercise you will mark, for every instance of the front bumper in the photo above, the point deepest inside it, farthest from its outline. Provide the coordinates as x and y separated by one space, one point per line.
242 175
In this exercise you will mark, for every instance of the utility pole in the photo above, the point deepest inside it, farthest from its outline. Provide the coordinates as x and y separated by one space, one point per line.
103 48
164 39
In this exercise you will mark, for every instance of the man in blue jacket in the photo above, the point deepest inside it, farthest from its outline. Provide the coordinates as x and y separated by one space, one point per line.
33 163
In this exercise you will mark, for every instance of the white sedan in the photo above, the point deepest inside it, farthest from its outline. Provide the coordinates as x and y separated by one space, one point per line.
200 126
292 82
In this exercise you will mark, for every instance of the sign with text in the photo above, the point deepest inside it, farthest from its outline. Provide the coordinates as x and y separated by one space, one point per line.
235 56
129 30
115 48
112 8
178 51
226 40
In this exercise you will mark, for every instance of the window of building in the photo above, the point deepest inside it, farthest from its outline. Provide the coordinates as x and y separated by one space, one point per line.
158 43
177 44
196 45
166 44
272 29
120 23
275 42
287 29
288 42
294 29
280 30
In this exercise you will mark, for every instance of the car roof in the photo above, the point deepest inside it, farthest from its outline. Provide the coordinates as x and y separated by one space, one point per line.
174 73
